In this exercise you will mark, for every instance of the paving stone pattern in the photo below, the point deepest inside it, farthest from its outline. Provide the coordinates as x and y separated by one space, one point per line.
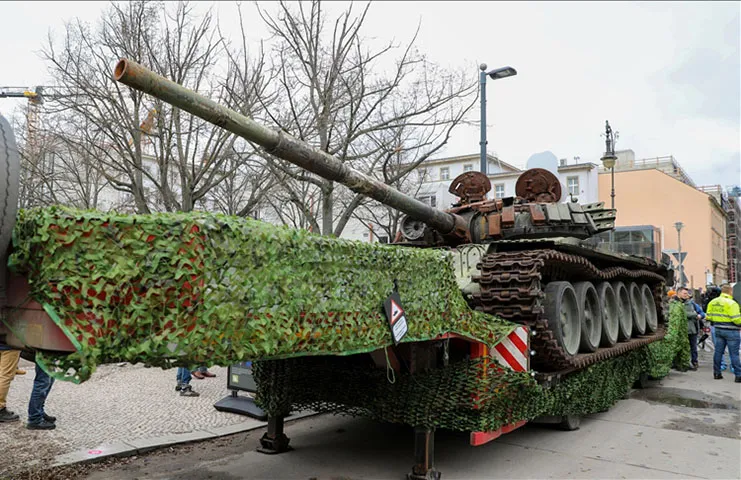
118 404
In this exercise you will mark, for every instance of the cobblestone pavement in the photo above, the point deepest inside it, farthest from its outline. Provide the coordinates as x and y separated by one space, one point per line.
119 403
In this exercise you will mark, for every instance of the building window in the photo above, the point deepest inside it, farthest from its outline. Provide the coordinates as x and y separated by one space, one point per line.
445 173
430 200
468 167
499 190
383 239
573 185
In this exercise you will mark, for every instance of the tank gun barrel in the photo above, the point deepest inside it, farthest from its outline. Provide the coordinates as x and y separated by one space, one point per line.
283 145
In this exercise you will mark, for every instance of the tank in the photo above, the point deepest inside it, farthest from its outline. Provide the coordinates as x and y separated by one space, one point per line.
528 258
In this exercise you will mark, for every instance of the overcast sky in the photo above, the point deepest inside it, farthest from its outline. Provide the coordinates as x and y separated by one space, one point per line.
666 75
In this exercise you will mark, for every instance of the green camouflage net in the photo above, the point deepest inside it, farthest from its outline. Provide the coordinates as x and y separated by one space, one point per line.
469 395
190 289
674 348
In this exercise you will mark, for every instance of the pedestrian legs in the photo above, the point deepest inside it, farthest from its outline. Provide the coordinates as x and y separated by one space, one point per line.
722 361
693 350
8 364
183 386
732 340
37 418
183 376
720 346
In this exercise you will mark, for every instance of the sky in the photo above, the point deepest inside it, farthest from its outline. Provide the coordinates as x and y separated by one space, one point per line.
667 75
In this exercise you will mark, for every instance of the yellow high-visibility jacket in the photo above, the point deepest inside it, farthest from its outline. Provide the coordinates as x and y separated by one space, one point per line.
724 312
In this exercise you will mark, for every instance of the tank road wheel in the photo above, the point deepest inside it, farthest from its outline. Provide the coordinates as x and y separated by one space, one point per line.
624 313
610 314
562 311
591 316
652 318
638 308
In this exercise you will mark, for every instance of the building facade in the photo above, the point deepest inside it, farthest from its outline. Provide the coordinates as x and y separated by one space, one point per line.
729 200
655 197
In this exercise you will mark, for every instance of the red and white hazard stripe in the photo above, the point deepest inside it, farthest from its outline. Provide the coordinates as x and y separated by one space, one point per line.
513 351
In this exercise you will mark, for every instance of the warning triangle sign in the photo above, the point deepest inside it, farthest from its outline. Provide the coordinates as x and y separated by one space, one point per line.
396 317
396 311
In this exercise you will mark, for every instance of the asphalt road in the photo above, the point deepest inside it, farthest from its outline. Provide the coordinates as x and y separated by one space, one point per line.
688 426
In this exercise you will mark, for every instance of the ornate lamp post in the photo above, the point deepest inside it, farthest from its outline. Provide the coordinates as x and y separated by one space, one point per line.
495 74
608 160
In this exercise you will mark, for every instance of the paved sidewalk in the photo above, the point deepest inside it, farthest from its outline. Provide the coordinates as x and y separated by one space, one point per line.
120 407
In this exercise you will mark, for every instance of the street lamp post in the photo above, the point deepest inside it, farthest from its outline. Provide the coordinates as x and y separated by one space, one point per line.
608 160
679 226
495 74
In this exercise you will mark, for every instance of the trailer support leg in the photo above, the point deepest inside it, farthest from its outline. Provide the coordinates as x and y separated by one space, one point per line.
424 455
274 440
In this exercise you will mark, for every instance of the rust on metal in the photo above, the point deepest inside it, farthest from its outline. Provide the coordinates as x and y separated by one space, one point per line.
537 214
495 225
508 216
538 185
470 187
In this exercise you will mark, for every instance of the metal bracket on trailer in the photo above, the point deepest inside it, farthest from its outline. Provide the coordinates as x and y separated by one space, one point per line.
274 441
424 455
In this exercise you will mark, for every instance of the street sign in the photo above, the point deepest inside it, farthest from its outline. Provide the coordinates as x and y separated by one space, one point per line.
676 256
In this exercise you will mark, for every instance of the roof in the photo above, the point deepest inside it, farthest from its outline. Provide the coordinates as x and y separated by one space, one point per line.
471 157
577 166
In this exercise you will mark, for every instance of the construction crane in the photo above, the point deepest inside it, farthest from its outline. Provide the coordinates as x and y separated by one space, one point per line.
36 98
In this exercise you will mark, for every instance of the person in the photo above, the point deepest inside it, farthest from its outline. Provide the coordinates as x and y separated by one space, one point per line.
695 316
37 417
183 385
725 315
202 372
711 293
8 366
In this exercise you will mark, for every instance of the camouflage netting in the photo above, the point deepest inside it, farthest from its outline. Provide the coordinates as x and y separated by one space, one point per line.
190 289
674 349
469 395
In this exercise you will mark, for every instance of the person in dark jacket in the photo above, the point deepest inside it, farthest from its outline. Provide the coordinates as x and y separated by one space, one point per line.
695 317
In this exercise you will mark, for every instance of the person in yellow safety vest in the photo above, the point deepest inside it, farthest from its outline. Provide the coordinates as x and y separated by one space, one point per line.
725 315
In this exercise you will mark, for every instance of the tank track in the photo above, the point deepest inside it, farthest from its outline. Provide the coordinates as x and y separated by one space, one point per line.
511 287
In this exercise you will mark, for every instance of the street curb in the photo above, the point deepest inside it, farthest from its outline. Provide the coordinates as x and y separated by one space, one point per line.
143 445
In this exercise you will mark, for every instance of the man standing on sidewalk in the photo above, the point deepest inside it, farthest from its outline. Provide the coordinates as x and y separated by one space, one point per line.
695 316
37 417
8 367
725 315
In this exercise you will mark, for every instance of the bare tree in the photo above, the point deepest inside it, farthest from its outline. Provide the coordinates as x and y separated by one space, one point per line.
388 220
165 159
363 104
53 170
